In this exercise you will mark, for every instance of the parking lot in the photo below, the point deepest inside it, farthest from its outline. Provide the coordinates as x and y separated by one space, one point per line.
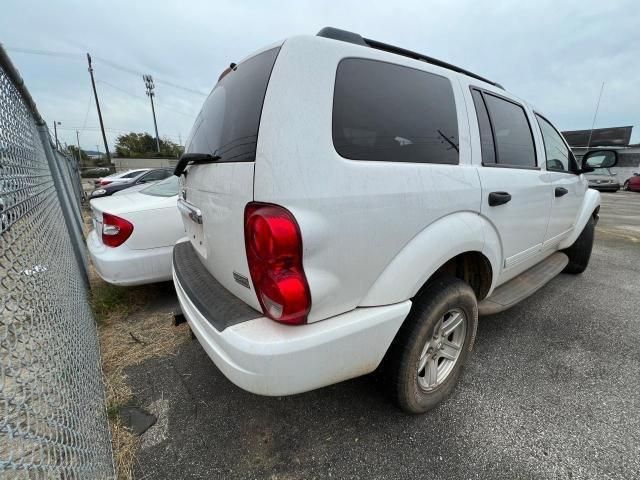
551 391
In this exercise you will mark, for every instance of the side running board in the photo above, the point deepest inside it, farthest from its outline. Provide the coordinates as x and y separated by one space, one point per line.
525 284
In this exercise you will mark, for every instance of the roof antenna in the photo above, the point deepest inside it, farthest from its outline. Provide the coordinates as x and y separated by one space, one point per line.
594 117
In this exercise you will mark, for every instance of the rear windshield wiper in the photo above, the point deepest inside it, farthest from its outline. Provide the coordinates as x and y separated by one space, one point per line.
191 158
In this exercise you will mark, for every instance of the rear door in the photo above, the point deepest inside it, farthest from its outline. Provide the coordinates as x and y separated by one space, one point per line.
568 187
516 196
214 194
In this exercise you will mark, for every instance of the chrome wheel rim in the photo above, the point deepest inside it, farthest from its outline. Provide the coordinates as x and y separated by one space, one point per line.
442 350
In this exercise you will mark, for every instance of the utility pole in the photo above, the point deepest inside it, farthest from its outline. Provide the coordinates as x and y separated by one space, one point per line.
148 81
55 132
95 93
79 151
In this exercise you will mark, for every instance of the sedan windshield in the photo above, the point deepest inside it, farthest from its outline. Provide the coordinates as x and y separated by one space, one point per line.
166 188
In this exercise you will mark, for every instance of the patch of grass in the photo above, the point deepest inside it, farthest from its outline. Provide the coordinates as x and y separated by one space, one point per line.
130 332
110 301
125 446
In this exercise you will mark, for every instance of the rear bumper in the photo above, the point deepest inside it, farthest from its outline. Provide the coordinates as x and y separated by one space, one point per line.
125 266
268 358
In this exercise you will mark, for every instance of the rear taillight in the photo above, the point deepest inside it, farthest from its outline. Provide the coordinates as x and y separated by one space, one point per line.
115 230
274 253
105 182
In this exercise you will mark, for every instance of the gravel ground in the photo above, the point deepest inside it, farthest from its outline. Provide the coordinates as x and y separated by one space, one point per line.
551 391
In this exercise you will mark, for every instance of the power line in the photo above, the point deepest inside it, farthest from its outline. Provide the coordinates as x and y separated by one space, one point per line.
138 73
140 97
86 115
48 53
78 56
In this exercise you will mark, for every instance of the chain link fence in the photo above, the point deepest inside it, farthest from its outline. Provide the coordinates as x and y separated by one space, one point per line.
53 421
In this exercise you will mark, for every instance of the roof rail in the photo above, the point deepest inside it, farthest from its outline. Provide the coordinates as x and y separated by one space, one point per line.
351 37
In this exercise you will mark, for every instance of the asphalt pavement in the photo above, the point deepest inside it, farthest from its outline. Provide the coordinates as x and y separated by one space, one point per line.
552 390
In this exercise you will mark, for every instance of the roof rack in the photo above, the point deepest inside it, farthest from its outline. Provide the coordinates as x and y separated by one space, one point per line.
351 37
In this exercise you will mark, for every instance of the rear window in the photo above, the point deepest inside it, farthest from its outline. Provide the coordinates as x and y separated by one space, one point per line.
388 112
228 123
156 175
165 188
132 174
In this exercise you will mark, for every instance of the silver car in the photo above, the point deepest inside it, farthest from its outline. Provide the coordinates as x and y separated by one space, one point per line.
603 179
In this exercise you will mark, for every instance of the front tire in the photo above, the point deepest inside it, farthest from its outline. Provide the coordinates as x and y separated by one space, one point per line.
580 252
425 359
626 185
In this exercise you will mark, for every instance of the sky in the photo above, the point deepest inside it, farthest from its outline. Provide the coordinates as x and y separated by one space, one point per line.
553 54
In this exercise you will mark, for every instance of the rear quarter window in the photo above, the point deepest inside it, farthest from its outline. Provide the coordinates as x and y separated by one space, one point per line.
388 112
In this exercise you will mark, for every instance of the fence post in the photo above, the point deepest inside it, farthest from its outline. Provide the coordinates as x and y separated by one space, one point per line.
72 221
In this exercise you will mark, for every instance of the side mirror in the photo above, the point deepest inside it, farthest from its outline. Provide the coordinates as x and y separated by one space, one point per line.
599 159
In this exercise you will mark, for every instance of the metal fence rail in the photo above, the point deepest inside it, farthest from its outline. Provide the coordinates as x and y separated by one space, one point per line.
52 406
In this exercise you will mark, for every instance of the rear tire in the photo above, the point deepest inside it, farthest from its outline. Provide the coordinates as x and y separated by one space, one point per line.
580 252
420 369
626 186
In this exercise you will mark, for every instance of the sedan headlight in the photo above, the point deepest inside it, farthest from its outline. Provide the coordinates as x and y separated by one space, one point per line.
100 191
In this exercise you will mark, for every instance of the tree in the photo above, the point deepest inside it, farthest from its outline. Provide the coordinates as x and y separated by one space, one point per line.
143 145
73 150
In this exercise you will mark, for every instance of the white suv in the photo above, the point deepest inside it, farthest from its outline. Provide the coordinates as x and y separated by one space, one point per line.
352 206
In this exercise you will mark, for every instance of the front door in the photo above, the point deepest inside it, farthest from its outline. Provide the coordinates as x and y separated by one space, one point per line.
568 187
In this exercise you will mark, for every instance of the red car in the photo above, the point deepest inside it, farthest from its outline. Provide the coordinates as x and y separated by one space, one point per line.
633 183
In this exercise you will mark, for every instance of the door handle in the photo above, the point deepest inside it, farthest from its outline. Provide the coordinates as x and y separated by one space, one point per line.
560 191
499 198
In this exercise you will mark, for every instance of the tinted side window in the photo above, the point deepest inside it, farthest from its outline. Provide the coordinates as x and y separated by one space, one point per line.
486 135
392 113
556 151
514 142
135 173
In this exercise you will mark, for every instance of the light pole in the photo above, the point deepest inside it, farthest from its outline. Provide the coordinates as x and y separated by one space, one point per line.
148 81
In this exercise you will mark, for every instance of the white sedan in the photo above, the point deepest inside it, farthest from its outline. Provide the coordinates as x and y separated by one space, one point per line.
133 236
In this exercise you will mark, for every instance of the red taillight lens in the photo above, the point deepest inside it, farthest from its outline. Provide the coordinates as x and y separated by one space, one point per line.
274 253
115 230
105 182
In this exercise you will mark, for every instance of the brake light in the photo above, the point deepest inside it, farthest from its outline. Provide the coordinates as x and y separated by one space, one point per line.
274 253
105 182
115 230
